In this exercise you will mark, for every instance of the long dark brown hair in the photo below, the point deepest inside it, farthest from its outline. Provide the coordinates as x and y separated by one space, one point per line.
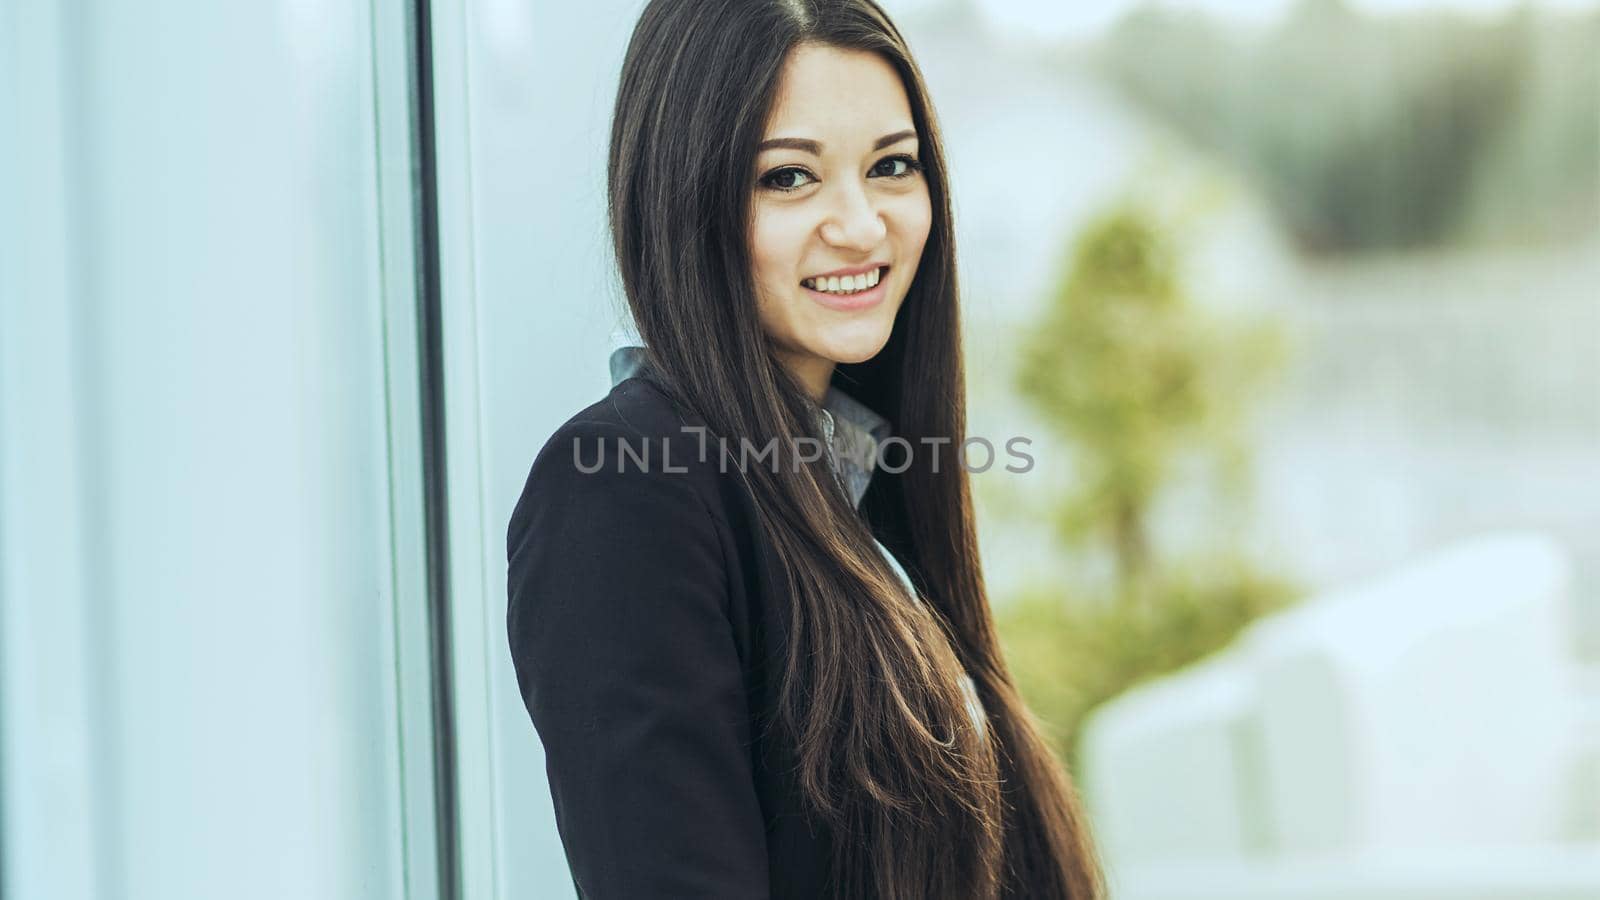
922 804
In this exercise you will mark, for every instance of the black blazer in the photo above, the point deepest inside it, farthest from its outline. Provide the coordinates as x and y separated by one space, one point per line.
648 628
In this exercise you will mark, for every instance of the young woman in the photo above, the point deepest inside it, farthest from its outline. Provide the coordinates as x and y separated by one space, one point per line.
757 650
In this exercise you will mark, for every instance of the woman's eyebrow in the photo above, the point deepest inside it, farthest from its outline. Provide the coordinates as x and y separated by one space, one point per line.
806 145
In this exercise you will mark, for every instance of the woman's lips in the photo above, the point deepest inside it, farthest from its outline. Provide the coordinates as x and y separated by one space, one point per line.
870 297
852 302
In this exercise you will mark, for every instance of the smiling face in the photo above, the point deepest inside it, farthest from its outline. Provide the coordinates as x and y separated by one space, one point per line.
839 204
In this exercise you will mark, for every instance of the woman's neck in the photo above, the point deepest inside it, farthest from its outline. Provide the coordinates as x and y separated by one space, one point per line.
814 373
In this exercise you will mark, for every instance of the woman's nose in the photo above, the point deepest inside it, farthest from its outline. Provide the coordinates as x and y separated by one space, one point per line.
855 223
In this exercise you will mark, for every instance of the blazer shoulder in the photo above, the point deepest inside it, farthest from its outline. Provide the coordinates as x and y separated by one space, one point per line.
637 407
645 419
636 439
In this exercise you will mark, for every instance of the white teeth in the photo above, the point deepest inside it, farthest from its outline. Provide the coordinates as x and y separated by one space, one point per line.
847 284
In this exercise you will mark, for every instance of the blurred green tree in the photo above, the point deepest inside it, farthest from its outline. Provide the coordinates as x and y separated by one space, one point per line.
1130 374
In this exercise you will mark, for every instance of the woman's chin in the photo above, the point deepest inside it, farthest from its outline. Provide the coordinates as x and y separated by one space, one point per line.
858 346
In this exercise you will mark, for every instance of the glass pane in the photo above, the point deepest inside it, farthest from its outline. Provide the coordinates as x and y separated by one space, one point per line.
196 541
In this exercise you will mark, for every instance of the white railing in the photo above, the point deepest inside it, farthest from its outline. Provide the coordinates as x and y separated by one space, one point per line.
1426 734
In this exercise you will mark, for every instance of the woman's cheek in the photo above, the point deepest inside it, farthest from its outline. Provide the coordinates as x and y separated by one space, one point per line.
777 244
913 218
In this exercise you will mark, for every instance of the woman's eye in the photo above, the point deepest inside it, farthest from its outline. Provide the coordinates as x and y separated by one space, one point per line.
784 179
907 166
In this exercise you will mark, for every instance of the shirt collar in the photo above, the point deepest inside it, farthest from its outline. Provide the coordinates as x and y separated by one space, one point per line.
852 432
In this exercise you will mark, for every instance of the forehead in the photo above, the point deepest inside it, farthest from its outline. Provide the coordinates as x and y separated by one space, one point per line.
825 89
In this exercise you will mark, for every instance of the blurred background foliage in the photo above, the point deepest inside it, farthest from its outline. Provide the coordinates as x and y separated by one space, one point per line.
1072 652
1378 133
